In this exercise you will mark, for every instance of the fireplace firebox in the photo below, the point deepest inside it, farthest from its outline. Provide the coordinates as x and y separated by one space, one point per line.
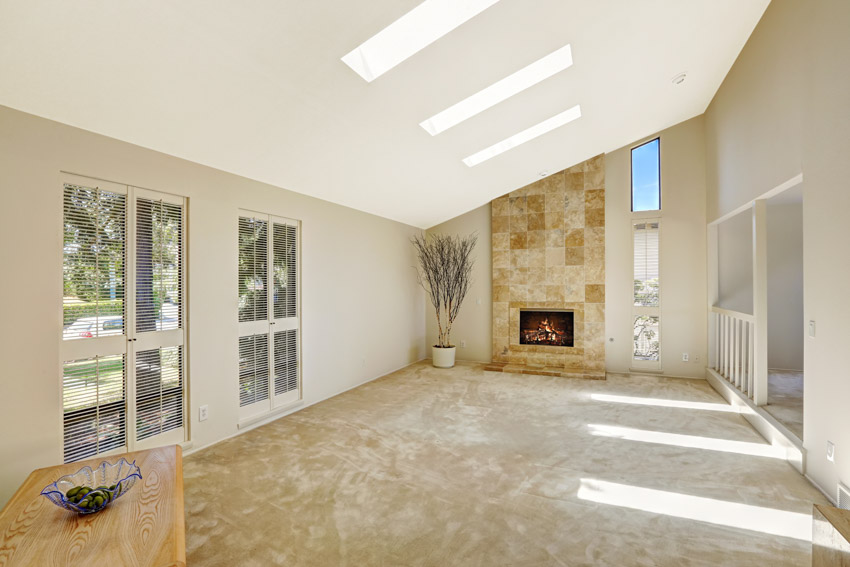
546 327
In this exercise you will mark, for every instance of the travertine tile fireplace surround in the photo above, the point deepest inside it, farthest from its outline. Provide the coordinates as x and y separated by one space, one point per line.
549 253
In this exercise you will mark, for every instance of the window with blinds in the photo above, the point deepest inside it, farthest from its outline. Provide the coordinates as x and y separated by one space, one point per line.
93 262
159 391
94 410
646 281
159 262
253 269
122 345
647 293
253 369
268 316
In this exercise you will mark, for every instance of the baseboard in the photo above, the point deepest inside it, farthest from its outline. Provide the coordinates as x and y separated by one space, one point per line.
767 426
830 497
652 374
288 410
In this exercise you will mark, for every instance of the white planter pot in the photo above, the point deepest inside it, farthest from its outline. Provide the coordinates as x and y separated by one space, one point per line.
443 357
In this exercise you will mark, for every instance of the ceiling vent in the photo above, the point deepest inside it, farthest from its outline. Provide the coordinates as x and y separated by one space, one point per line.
843 497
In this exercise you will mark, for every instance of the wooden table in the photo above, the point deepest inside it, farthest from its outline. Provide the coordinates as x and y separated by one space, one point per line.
144 527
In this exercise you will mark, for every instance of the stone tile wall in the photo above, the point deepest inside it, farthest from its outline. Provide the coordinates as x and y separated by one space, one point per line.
549 252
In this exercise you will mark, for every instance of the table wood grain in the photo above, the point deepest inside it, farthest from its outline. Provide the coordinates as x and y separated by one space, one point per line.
830 537
145 527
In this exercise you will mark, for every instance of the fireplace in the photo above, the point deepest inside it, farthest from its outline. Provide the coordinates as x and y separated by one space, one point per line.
552 327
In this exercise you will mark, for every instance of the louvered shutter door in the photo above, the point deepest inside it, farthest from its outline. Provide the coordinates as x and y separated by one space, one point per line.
285 294
159 265
253 369
253 269
94 406
93 262
159 391
285 362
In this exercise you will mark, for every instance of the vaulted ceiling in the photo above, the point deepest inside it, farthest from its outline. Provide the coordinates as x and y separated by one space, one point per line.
259 89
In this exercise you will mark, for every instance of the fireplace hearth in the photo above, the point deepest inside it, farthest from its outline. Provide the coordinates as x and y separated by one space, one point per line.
546 327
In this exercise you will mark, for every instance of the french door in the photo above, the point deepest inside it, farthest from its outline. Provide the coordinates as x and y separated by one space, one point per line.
268 313
124 312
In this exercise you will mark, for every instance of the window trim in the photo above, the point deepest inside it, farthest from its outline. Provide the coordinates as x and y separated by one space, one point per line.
654 311
653 212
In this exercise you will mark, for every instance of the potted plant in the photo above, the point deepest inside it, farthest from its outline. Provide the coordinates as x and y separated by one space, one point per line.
445 273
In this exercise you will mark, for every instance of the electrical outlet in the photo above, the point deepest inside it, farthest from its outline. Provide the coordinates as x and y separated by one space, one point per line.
684 357
830 451
812 329
696 358
462 344
203 413
362 362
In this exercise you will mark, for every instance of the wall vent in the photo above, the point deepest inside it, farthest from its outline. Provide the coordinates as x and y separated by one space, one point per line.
843 497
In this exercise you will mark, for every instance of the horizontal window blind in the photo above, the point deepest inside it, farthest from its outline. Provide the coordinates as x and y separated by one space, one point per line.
284 270
285 361
94 406
94 236
253 369
253 269
159 255
646 275
159 391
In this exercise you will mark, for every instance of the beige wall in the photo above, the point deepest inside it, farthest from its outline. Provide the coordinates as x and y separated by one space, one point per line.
356 280
785 332
473 323
783 110
682 252
753 123
735 263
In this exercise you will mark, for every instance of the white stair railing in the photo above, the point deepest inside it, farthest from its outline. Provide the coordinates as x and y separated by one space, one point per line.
733 346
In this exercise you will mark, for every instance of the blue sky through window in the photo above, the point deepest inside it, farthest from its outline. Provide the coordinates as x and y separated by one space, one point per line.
646 177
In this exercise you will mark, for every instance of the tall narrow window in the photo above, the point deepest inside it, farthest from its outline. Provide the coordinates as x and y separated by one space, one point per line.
269 374
646 176
123 384
647 294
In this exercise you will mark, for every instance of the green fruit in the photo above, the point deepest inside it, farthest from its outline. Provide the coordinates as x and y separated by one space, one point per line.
72 492
98 501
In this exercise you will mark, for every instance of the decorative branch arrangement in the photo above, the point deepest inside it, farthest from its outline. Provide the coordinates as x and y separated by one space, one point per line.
445 273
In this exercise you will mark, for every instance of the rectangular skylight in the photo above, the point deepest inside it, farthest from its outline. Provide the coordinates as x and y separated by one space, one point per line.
409 34
502 90
526 135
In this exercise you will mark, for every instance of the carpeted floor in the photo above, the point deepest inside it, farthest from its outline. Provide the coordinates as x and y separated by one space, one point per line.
461 467
785 399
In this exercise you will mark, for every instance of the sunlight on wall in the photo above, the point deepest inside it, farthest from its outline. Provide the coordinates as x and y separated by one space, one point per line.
663 403
692 441
721 512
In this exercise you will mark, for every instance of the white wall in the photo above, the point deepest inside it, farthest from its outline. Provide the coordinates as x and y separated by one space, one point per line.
785 332
356 280
735 263
474 323
782 110
682 252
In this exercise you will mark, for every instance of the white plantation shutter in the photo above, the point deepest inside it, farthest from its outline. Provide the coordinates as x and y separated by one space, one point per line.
94 406
93 262
159 391
269 373
159 263
253 369
124 382
285 361
253 269
646 284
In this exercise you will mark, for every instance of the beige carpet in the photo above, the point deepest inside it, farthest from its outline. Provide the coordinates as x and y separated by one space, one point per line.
462 467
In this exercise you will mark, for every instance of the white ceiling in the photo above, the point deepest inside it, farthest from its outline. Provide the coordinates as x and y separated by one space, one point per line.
258 88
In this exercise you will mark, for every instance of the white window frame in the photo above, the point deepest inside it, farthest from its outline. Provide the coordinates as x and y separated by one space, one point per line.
273 404
130 342
638 311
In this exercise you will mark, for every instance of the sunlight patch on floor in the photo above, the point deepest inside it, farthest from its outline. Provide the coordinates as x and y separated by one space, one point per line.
720 512
690 441
663 403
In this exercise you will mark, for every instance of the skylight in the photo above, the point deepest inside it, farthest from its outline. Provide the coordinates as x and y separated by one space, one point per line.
502 90
526 135
411 33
